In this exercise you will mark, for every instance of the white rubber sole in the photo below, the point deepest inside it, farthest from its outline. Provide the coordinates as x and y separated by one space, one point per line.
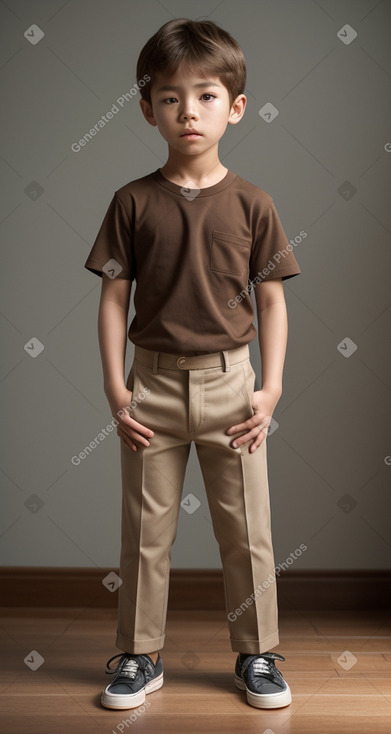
115 701
264 701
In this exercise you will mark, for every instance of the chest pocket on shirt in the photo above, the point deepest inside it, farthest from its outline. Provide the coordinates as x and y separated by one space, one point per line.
229 254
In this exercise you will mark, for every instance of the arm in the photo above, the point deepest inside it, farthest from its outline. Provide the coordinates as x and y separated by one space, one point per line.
273 333
112 331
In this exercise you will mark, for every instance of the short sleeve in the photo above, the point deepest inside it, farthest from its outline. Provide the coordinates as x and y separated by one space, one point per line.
271 253
112 249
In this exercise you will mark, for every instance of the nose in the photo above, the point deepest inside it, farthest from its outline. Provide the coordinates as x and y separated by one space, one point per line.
188 111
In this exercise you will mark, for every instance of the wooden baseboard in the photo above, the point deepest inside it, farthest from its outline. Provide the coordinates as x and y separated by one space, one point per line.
194 588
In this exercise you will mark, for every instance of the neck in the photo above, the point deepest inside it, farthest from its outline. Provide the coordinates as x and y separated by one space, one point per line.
202 170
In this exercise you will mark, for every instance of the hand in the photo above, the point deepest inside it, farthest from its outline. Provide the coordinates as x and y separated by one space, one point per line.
256 427
130 430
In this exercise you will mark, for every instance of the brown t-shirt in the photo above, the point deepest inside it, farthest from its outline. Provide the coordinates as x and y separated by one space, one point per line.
195 256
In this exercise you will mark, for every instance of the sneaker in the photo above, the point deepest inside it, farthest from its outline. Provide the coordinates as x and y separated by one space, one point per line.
135 675
262 681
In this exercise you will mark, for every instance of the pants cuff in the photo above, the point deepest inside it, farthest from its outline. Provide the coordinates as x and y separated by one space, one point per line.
137 647
255 646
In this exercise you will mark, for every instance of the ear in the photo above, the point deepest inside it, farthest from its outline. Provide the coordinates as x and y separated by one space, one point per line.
237 109
147 111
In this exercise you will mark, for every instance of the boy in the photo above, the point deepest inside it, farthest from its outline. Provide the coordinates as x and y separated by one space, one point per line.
192 234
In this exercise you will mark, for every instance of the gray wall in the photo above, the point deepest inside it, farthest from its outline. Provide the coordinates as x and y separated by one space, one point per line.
325 159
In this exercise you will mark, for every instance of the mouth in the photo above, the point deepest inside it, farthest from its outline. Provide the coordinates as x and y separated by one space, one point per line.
191 134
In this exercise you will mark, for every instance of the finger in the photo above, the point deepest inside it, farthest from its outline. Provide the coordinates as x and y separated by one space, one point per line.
244 426
134 435
258 441
262 428
265 423
127 440
253 434
243 439
137 426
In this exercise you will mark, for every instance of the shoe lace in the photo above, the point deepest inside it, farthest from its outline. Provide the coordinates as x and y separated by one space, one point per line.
127 666
265 667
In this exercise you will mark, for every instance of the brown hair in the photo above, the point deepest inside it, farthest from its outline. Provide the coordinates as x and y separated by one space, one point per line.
198 46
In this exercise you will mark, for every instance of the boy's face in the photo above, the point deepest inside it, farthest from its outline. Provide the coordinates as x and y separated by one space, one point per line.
187 101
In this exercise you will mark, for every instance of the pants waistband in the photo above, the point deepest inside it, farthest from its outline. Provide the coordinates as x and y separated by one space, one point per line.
223 359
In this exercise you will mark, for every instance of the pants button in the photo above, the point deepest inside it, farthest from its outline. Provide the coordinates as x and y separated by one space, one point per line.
181 361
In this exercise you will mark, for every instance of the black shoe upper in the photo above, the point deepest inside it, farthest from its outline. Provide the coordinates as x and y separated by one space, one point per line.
260 673
133 672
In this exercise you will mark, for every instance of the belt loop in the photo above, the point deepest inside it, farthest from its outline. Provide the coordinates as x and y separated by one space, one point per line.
155 362
227 367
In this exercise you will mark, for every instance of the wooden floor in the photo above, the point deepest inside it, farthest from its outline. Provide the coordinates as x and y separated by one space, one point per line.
62 695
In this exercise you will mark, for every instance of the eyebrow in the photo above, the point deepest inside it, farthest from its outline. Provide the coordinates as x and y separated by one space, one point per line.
169 87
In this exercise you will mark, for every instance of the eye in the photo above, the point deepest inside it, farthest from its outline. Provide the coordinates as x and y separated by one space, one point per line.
208 95
169 100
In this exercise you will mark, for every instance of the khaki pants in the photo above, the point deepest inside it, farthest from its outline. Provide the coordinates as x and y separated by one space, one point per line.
195 399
